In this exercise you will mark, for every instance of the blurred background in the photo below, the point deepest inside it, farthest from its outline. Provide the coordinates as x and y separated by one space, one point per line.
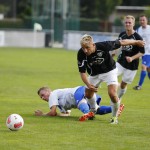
61 23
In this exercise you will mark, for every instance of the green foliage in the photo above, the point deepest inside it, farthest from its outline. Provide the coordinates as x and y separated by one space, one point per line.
102 8
118 22
24 70
147 13
3 8
24 9
11 23
106 7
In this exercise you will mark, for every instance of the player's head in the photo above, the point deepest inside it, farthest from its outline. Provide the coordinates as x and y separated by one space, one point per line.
143 20
129 22
44 93
87 44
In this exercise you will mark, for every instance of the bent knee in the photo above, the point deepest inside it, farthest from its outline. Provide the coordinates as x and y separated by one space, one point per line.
88 93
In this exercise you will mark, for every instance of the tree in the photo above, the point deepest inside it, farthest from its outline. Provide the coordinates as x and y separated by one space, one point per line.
98 9
24 8
147 13
105 8
86 8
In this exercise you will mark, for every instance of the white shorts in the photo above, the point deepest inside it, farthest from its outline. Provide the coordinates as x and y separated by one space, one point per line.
127 75
109 77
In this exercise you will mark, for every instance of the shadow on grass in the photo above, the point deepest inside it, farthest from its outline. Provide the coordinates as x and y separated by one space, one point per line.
72 118
60 118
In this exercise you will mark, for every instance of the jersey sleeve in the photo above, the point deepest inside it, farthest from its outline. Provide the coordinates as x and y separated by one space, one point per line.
111 45
53 99
141 49
82 62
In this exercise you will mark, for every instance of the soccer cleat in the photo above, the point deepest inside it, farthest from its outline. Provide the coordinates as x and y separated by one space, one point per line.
120 110
88 116
93 110
138 87
114 120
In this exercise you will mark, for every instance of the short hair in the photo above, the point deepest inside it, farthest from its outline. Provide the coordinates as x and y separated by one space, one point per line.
143 15
85 39
130 17
43 88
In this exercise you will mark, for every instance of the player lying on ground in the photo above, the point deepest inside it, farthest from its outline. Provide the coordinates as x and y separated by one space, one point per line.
68 98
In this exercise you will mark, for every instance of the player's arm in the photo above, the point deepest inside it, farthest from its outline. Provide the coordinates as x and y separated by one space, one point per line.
125 42
85 80
51 113
130 59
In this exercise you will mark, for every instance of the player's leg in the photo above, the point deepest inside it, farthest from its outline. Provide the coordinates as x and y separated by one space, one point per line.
144 69
122 90
112 83
148 66
90 95
115 103
91 100
102 110
84 107
142 77
148 72
127 78
82 104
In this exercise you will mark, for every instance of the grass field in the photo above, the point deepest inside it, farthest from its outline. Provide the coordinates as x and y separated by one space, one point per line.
23 71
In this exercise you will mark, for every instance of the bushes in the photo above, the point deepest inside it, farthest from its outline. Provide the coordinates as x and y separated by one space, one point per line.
11 23
15 24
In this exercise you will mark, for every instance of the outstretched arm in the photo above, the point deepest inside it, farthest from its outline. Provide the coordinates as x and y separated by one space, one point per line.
125 42
52 113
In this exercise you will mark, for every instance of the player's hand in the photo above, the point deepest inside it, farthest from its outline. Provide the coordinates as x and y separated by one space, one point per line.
140 43
129 59
92 88
38 113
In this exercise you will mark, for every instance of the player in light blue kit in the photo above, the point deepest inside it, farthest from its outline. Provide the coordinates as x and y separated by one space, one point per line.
68 98
144 31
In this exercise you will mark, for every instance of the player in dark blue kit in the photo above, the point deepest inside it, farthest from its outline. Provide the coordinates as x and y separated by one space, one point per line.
128 60
95 59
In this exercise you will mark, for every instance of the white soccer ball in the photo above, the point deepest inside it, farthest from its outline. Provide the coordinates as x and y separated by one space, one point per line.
14 122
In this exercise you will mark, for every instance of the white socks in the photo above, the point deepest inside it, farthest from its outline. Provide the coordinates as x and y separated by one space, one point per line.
115 107
121 92
92 103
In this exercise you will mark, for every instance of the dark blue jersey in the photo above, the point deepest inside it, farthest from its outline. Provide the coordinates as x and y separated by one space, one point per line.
100 61
130 50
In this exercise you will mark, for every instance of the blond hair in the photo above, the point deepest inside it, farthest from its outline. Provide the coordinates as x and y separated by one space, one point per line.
43 88
86 39
130 17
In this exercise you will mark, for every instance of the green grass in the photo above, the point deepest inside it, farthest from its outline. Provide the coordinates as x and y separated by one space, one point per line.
23 71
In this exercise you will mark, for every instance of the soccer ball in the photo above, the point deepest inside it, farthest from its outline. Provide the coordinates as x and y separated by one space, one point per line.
14 122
